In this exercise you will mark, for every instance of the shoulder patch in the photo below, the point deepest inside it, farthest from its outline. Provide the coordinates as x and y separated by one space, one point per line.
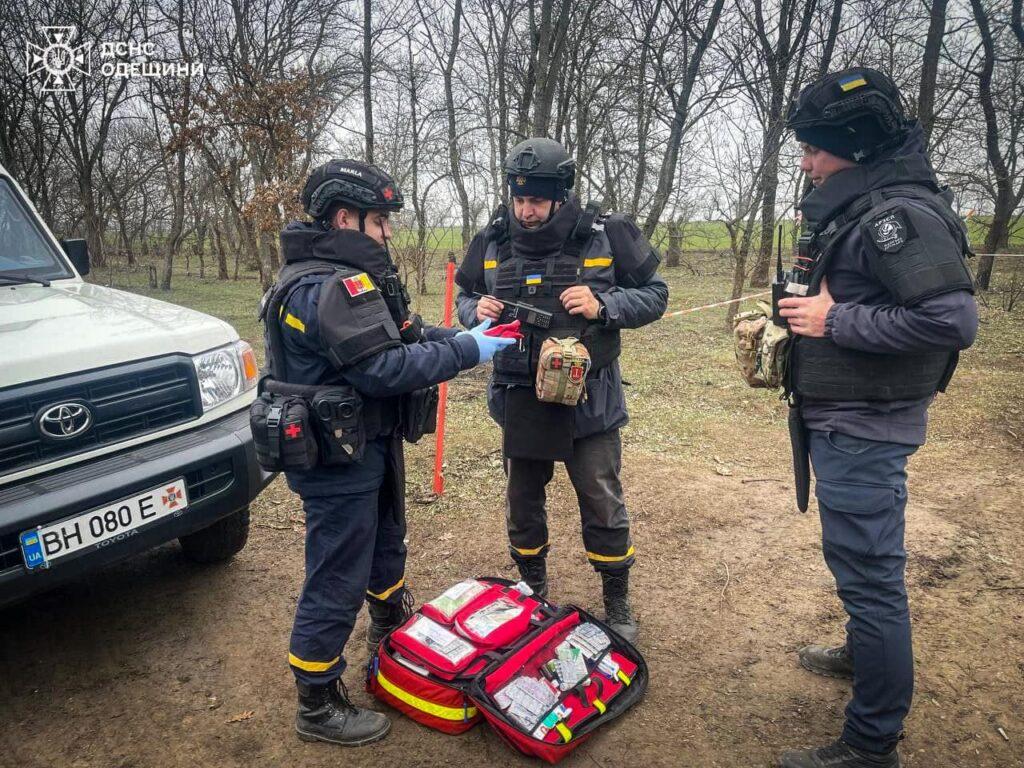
889 231
358 284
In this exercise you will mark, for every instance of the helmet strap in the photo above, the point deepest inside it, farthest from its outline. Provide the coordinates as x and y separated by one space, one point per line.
362 220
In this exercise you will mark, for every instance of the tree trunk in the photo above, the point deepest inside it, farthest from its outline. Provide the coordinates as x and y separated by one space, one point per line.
930 67
222 257
681 111
769 189
453 145
675 243
368 79
1003 208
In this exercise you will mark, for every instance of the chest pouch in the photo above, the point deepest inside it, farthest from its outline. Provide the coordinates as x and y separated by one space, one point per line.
283 433
762 348
562 371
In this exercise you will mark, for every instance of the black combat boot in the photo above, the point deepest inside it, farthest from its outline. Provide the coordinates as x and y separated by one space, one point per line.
616 603
830 662
326 714
839 755
385 617
534 571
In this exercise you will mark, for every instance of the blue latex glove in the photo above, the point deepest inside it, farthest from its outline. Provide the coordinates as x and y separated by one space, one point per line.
488 345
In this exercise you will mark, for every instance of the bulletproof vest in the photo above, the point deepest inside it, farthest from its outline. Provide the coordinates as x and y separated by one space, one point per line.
538 279
912 258
356 317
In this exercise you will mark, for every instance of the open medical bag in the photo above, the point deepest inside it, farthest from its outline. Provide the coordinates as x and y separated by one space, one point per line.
544 677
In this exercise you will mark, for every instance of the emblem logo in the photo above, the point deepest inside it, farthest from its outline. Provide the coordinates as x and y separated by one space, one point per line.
60 61
889 232
64 421
521 181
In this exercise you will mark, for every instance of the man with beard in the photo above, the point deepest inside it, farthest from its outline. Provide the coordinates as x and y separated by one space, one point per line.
596 275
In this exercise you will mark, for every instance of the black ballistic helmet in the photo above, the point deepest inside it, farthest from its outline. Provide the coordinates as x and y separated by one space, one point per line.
540 168
352 184
855 113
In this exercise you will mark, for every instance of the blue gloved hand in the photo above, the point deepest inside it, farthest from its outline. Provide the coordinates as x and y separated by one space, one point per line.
488 345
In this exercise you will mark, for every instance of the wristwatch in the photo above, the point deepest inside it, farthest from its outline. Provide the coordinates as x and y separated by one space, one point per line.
602 312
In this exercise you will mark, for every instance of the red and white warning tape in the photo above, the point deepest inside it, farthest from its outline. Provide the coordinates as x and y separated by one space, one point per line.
716 304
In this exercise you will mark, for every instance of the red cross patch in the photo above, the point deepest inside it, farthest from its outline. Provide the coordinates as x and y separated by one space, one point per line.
388 193
293 431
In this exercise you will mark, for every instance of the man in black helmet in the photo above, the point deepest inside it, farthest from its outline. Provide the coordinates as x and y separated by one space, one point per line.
879 304
344 349
597 275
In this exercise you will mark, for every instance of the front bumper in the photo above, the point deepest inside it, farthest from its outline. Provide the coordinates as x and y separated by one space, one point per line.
218 462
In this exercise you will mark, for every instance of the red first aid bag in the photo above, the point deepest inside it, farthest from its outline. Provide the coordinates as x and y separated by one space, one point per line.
465 656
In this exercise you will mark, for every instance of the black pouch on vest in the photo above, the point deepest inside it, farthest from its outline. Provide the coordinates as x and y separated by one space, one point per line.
283 433
339 414
419 413
536 430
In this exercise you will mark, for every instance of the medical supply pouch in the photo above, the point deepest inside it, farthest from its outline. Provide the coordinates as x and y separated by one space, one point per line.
562 371
762 348
283 433
544 677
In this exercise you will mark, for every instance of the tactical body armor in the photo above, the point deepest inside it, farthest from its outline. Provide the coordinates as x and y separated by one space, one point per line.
597 251
914 259
362 310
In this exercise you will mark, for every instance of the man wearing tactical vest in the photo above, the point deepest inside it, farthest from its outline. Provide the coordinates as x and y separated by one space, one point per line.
581 275
349 361
880 303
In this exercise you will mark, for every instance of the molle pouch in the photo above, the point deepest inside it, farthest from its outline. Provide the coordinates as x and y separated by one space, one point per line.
762 348
562 371
339 414
283 433
419 413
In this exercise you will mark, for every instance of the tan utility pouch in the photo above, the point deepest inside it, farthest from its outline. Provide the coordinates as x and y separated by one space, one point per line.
762 348
562 371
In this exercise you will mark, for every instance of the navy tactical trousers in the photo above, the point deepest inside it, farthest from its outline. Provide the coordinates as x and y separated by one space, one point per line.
355 551
861 487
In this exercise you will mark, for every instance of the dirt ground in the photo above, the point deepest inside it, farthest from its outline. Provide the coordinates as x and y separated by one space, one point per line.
149 662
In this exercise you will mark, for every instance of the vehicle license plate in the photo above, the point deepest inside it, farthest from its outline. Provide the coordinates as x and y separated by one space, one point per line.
103 526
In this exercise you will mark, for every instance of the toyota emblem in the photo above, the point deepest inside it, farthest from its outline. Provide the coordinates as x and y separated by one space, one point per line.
60 422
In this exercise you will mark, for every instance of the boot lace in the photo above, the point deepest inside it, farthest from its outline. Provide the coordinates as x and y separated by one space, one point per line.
338 695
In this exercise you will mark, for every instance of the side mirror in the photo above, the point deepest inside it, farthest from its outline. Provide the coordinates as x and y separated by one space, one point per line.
78 252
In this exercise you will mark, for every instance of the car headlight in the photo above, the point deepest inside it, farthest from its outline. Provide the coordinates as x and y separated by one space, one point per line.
225 372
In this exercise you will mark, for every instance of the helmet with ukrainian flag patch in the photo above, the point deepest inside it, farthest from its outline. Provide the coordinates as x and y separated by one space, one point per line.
350 183
856 113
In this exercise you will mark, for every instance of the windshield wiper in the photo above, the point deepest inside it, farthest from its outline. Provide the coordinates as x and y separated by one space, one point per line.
18 279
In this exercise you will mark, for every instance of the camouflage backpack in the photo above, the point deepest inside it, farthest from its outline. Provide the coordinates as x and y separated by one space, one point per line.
762 348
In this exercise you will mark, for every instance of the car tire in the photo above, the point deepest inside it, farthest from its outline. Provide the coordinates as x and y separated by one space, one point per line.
220 541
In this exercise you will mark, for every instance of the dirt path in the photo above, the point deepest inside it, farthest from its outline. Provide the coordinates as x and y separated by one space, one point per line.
152 658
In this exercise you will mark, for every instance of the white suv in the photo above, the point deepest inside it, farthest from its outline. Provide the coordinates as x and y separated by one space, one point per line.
123 419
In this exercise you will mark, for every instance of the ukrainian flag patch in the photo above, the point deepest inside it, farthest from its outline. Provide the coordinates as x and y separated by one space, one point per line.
534 279
358 284
852 82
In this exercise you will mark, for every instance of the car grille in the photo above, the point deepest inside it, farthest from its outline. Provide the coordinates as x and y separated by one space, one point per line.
199 483
126 402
